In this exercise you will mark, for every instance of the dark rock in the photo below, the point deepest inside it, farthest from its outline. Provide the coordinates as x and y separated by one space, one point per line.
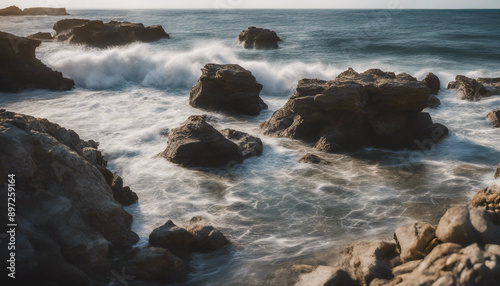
67 213
413 240
205 237
41 36
433 82
259 38
433 102
11 11
491 84
45 11
20 69
122 194
470 89
494 117
198 144
176 239
313 159
228 88
102 35
158 264
374 108
248 146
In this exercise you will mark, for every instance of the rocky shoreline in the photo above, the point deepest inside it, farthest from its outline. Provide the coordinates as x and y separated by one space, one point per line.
36 11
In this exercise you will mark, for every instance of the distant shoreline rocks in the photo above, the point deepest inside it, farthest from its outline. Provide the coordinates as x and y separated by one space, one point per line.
259 38
15 11
101 35
357 110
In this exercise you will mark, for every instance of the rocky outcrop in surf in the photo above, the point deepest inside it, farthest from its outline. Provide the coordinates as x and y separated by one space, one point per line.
473 90
15 11
494 117
102 35
259 38
198 144
463 249
357 110
433 83
228 88
41 36
20 69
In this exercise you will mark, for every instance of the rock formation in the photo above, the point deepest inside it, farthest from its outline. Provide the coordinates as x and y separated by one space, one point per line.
474 90
433 82
15 11
374 108
494 117
198 144
259 38
41 36
228 88
102 35
20 69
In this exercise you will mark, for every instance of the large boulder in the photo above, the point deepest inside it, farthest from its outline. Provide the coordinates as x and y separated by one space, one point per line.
155 264
374 108
455 226
259 38
494 117
20 69
433 82
474 90
102 35
68 222
205 238
176 239
198 144
228 88
414 241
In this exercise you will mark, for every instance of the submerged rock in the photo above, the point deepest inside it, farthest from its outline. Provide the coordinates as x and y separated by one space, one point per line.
494 117
20 69
474 90
258 38
228 88
102 35
205 238
198 144
354 111
313 159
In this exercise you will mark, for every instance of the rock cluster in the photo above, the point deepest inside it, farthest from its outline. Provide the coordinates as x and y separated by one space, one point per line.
357 110
463 249
228 88
72 227
20 69
474 90
15 11
102 35
259 38
198 144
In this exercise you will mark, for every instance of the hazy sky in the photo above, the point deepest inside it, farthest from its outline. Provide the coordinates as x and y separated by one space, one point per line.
241 4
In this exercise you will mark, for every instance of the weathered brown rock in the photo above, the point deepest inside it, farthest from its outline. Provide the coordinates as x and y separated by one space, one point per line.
228 88
249 146
374 108
158 264
176 239
205 237
102 35
488 198
414 240
433 82
326 276
494 117
11 11
20 69
258 38
455 226
474 90
41 36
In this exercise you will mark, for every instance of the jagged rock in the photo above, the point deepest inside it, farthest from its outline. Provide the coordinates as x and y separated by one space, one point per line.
228 88
20 69
41 36
488 198
474 90
433 82
258 38
494 117
248 146
102 35
455 226
67 214
313 159
205 237
354 111
158 264
122 194
11 11
175 238
198 144
414 240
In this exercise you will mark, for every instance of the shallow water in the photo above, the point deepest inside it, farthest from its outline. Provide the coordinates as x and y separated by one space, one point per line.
271 207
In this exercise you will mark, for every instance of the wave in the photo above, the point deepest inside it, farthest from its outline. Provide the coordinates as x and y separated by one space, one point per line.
148 65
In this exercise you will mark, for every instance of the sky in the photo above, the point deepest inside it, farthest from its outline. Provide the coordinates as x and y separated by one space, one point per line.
249 4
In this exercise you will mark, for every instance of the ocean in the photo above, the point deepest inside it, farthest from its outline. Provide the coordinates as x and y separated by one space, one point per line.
272 208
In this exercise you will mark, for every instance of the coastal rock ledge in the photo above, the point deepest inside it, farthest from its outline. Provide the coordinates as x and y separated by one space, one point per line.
259 38
20 69
198 144
228 88
102 35
357 110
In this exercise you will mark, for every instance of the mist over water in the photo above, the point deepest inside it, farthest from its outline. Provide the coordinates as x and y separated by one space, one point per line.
272 208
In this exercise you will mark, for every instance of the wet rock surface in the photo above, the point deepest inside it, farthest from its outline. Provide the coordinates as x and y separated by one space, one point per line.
494 117
259 38
473 90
